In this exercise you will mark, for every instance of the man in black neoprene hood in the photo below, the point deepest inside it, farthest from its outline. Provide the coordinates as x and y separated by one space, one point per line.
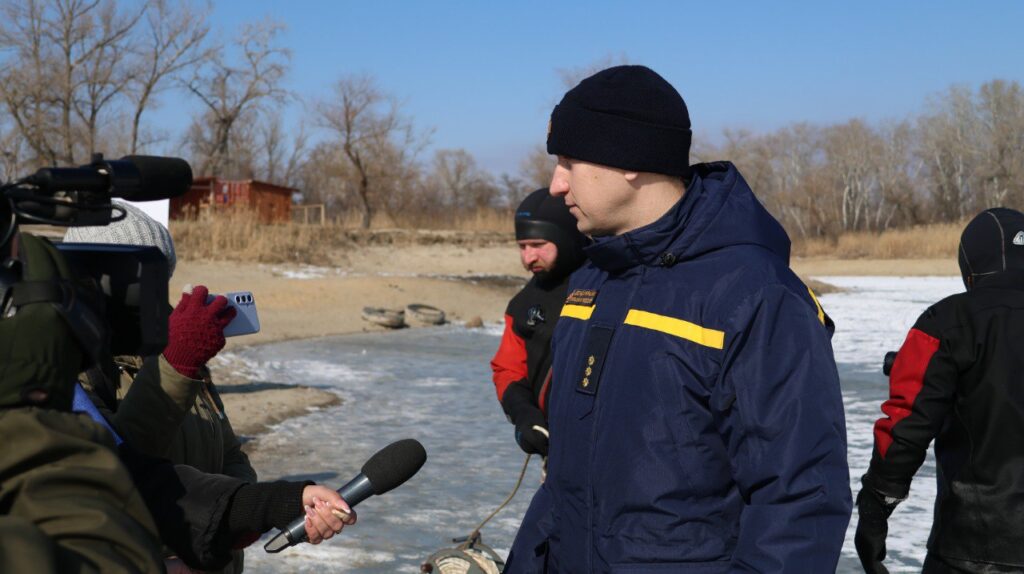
957 379
551 248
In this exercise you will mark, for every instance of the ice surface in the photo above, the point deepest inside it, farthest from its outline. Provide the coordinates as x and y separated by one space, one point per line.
434 385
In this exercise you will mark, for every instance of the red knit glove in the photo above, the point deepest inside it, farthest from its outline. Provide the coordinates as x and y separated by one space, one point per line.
195 330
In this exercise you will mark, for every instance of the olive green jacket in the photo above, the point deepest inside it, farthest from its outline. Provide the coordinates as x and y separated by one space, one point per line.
160 412
66 502
163 413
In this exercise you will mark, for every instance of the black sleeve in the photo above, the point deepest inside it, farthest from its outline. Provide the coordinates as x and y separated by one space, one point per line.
922 385
265 505
201 516
188 506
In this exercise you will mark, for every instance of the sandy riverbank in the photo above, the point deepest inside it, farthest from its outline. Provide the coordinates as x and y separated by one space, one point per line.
466 282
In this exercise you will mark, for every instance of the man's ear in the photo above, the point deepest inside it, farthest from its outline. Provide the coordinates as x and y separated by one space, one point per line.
631 176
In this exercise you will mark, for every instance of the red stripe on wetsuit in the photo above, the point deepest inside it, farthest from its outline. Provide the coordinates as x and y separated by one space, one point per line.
509 363
905 382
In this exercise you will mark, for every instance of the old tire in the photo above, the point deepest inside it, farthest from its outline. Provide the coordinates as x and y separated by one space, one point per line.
390 318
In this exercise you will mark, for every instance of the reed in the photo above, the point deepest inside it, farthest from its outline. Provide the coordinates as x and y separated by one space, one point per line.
937 241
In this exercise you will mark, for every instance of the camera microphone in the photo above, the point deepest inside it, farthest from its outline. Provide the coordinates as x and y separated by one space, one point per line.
386 470
133 177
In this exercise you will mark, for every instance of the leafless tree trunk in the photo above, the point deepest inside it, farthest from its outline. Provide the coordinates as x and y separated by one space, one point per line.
228 91
371 133
949 149
1001 141
65 68
173 44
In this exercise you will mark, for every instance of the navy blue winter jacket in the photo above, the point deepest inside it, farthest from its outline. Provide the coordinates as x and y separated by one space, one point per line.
695 414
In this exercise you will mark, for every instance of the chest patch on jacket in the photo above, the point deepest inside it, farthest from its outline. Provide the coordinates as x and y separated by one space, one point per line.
584 297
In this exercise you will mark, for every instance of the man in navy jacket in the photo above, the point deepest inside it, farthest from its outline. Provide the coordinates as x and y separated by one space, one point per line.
695 413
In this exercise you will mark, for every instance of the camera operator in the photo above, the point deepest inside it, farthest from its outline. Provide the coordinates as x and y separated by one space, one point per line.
65 498
167 405
956 379
66 503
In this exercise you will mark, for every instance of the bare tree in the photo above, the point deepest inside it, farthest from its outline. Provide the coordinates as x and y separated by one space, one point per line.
103 74
948 147
461 182
25 78
86 34
898 174
263 149
536 168
1000 122
229 90
283 156
796 164
852 152
172 44
373 136
64 68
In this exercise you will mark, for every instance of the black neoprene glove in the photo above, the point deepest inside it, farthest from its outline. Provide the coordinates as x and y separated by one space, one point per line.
873 511
529 438
527 417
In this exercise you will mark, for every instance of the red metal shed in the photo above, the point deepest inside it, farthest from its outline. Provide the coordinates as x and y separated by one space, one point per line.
272 202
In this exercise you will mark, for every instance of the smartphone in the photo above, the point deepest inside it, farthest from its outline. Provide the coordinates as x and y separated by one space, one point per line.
246 321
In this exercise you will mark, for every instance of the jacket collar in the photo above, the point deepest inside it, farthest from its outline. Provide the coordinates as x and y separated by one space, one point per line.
650 245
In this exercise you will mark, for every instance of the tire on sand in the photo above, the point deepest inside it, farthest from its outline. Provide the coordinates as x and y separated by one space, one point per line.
425 314
390 318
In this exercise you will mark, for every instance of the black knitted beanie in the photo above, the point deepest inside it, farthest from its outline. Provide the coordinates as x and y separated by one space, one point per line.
626 117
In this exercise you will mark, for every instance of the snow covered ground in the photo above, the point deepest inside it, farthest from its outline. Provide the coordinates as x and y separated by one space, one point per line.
873 315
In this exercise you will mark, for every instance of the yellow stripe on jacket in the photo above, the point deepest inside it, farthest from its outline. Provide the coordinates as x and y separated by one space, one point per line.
676 327
580 312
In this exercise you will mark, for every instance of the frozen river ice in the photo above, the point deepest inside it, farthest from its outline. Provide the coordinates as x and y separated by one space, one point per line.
434 385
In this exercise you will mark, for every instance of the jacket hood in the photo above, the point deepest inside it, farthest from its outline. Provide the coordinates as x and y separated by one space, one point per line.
992 243
718 210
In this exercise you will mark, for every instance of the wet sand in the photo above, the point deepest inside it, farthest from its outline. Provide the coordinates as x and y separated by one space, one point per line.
466 282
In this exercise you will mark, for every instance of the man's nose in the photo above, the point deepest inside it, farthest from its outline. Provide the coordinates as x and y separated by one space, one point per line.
559 185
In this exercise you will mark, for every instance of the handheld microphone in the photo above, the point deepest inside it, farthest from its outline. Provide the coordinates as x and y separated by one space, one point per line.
389 468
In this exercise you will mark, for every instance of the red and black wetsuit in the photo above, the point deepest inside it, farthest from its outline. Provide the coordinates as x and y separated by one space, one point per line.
523 359
958 379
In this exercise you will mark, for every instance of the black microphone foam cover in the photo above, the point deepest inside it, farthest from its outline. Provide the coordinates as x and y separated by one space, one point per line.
160 177
394 464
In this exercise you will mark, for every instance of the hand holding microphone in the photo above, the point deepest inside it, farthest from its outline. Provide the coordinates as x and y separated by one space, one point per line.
386 470
327 513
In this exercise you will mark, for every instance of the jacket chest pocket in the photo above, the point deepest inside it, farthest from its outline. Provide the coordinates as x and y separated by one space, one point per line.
589 371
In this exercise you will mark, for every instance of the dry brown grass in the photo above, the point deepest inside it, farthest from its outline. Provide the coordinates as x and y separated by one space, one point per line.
237 235
922 242
490 220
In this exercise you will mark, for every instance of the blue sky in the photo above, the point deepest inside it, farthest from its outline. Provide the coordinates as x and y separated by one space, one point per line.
484 76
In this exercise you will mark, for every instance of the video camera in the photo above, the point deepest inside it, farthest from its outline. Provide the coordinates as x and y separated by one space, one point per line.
118 303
